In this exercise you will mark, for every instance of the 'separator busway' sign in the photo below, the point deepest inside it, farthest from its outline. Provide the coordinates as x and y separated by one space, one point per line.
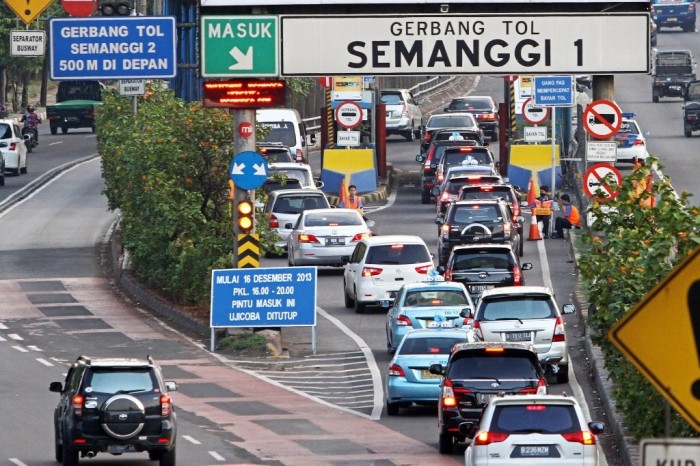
465 44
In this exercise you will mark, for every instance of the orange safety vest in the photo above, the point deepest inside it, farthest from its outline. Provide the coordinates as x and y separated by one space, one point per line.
542 207
353 203
574 217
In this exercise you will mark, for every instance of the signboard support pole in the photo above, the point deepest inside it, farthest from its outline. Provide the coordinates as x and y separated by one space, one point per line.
554 145
241 144
134 105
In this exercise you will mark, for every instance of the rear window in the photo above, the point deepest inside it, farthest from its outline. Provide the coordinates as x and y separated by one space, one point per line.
441 345
125 381
481 365
292 204
466 105
276 155
476 213
540 418
629 127
398 254
280 131
435 298
483 261
462 121
472 156
339 219
516 307
469 139
392 98
5 131
302 175
276 185
490 192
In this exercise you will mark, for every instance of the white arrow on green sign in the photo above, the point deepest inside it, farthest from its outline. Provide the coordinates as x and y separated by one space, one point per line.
240 46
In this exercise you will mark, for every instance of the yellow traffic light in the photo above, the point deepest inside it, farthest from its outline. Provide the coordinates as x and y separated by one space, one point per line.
246 213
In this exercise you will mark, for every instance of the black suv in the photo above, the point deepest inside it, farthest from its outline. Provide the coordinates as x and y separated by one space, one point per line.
465 156
477 372
484 266
114 406
469 222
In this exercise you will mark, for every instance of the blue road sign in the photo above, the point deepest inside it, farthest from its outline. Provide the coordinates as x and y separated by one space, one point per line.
554 91
273 297
248 170
129 47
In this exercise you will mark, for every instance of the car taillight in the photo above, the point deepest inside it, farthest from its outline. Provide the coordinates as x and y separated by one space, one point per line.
517 276
404 111
299 156
165 405
691 7
691 116
638 142
476 326
448 395
306 238
427 137
371 271
487 438
424 269
445 229
77 402
440 177
542 386
559 334
360 236
13 146
487 116
396 371
507 230
274 223
403 321
583 437
516 211
448 274
445 196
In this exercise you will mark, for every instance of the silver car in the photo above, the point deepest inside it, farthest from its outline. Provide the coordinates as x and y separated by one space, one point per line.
284 206
403 113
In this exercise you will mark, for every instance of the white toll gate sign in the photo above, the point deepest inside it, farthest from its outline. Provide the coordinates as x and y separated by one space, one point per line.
324 45
534 114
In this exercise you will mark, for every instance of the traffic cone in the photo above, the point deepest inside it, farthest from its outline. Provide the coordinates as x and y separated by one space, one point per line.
532 191
534 229
342 193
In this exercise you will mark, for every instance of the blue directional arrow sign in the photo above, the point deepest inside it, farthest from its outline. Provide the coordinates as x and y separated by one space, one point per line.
248 170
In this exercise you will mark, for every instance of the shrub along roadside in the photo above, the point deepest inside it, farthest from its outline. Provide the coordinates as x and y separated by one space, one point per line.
166 170
627 254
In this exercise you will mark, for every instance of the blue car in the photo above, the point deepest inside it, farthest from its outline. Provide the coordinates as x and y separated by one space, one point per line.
409 380
419 304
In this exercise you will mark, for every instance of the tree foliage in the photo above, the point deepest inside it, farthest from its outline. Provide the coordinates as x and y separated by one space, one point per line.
631 249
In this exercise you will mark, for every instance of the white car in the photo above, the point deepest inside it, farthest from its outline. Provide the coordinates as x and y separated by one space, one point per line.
324 236
380 265
527 314
533 430
13 148
630 141
298 171
403 113
284 206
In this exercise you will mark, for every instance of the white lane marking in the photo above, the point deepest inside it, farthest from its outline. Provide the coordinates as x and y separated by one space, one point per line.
2 339
14 336
34 348
3 326
17 462
217 456
56 142
20 349
192 440
44 362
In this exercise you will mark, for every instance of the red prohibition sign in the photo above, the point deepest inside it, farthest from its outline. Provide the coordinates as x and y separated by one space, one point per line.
593 181
602 119
540 116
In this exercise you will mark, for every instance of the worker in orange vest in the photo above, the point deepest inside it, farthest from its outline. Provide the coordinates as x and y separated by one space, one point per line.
543 205
353 201
570 217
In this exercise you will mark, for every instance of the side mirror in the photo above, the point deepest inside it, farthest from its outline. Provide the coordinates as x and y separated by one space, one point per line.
420 158
568 309
439 219
56 387
312 138
526 266
596 427
466 312
345 259
436 369
435 191
288 226
319 184
441 269
371 223
170 386
468 429
446 109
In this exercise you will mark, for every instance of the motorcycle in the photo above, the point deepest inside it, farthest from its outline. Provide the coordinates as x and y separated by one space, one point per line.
29 135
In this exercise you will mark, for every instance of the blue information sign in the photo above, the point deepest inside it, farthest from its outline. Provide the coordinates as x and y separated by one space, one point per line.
272 297
129 47
248 170
554 91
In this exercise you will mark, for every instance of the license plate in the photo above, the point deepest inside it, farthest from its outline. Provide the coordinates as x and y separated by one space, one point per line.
479 288
119 449
518 336
425 374
485 398
334 241
534 450
672 20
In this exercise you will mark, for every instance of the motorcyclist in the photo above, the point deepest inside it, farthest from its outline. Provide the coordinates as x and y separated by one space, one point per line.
31 120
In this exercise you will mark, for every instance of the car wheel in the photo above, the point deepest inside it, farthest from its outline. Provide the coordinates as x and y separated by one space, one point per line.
14 171
359 307
688 131
2 177
389 344
70 456
290 262
29 149
655 95
168 458
520 247
54 129
445 442
425 198
349 302
563 374
392 409
64 129
59 448
410 135
494 135
23 170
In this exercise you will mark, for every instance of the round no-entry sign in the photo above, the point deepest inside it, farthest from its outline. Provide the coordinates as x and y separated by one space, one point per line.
348 114
534 114
602 119
79 8
593 184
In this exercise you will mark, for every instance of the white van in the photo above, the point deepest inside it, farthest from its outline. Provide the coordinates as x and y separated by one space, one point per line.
284 125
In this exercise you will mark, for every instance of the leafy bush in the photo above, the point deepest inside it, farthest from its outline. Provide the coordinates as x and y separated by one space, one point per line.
631 249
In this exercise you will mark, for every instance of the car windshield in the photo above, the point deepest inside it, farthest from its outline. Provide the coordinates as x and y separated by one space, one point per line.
398 254
432 345
483 261
535 417
113 381
334 219
462 121
466 105
476 213
435 298
516 307
280 131
511 365
392 98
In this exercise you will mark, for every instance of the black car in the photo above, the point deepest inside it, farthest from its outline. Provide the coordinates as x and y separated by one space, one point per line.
116 406
483 107
477 372
484 266
479 191
448 191
691 109
469 222
464 156
430 160
451 134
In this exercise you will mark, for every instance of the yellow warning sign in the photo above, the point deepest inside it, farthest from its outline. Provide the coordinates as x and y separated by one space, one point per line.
28 10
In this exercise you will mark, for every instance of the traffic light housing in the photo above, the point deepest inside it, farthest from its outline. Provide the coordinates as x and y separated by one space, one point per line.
122 8
245 211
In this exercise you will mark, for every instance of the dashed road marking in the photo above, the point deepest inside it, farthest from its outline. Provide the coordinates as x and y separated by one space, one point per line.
44 362
21 349
192 440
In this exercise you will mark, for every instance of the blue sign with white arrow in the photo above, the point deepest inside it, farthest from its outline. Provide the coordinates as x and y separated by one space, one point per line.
248 170
129 47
